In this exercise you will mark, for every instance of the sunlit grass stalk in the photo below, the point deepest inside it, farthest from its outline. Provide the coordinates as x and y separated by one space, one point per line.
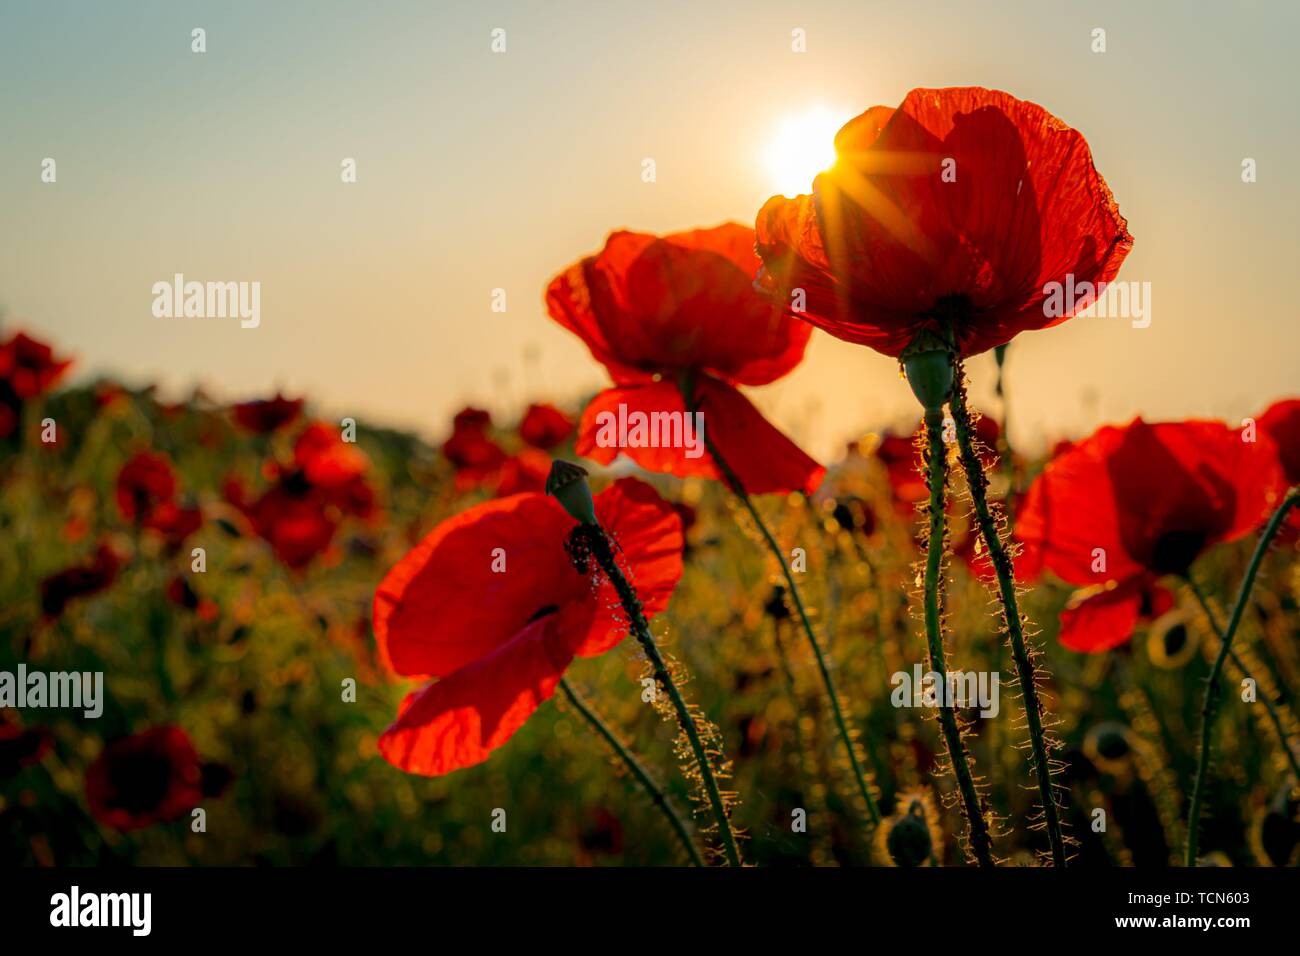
837 711
604 554
981 842
1210 701
1001 560
637 770
1284 733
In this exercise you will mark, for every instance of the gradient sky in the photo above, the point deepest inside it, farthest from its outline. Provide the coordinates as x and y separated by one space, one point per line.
481 170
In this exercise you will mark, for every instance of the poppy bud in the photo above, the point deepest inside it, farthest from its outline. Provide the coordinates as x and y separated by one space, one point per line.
909 838
567 483
930 375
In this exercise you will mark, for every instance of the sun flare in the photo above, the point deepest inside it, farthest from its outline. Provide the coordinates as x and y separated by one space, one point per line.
802 145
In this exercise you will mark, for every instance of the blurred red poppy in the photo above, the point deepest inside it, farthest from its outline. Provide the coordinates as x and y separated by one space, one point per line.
490 603
1281 423
545 426
474 455
80 580
265 415
27 368
958 207
525 471
143 484
148 778
21 746
1131 504
655 310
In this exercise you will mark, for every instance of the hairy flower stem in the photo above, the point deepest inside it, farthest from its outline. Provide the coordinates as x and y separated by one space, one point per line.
1210 701
823 666
638 771
981 842
1001 560
604 554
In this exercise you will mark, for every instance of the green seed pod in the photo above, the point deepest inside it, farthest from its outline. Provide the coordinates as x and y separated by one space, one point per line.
930 375
567 483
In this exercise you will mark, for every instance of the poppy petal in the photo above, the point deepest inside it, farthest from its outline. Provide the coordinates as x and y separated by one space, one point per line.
458 721
1097 619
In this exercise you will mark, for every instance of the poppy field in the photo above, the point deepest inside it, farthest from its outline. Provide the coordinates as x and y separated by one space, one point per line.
648 627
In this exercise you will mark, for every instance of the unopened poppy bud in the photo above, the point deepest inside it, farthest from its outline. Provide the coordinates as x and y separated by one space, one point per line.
567 483
910 836
930 375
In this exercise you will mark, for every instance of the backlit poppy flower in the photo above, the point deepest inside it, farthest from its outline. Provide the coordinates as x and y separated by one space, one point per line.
655 310
143 484
474 455
1131 504
958 209
499 627
545 426
265 415
1281 423
148 778
80 580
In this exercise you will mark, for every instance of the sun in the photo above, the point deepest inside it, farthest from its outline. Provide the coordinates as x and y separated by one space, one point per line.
802 145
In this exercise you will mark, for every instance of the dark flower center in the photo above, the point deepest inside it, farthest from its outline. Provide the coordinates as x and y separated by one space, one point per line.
139 782
1176 550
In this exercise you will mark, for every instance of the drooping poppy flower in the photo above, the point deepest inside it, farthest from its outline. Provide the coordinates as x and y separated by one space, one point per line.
147 778
499 627
1129 505
80 580
654 310
475 456
265 415
143 484
959 208
545 426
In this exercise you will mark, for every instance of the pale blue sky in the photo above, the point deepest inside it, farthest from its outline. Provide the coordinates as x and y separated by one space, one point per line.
479 170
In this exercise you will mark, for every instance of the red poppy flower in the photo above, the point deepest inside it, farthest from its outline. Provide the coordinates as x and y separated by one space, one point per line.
293 521
174 522
81 580
148 778
474 455
959 206
500 636
265 415
655 309
1281 422
1129 505
144 483
545 426
29 366
336 469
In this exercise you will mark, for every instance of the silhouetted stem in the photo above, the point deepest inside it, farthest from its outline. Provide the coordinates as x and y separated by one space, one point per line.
638 771
1001 560
1210 702
604 554
823 666
937 474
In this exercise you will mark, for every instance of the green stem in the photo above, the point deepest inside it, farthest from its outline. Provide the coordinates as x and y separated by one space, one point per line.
823 665
1209 702
937 471
1272 710
637 769
1001 560
604 554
